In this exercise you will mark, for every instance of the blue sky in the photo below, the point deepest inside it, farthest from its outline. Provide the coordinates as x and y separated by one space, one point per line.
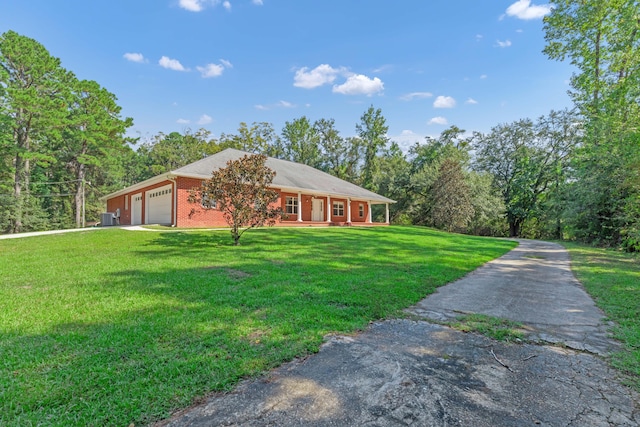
178 64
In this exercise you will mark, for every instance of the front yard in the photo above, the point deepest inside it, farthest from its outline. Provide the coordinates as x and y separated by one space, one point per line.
114 327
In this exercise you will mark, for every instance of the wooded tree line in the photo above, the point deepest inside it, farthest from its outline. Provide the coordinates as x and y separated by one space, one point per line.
569 174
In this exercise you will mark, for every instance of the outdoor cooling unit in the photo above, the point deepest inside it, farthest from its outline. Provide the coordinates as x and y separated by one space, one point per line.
107 219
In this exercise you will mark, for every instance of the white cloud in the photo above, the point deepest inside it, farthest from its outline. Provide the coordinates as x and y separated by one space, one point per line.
383 68
204 120
444 102
134 57
191 5
226 63
523 9
171 64
210 70
406 139
479 37
483 76
285 104
279 104
471 101
183 121
321 75
200 5
416 95
505 43
359 84
438 121
257 2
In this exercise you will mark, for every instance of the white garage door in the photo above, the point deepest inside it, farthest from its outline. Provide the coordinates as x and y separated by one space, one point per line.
159 205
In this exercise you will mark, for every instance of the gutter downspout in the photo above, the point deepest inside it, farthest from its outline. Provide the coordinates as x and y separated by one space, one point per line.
175 201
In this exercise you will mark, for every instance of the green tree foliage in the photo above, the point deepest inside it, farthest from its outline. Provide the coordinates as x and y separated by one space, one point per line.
525 158
94 132
372 130
168 152
34 93
300 142
452 209
392 182
56 134
241 191
425 161
602 40
488 206
260 138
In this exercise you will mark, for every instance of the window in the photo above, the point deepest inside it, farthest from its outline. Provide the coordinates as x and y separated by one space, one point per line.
361 210
338 208
291 205
207 203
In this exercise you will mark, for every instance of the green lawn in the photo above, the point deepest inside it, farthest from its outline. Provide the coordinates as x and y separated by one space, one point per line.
612 278
113 327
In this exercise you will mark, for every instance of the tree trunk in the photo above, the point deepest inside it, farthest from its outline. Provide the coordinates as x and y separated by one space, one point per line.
79 196
21 178
17 194
514 228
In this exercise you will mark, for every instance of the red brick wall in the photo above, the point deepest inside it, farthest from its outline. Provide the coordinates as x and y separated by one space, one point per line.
119 203
194 215
125 214
355 211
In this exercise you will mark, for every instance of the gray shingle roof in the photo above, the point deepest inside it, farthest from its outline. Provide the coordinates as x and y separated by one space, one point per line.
289 176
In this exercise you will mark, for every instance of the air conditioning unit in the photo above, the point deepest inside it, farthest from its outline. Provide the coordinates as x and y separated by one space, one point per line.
107 219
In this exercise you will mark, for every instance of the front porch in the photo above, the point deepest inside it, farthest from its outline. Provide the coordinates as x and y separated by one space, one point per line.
329 224
325 210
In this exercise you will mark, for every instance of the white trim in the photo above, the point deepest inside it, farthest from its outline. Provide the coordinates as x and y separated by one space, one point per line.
299 206
139 186
329 208
349 210
386 213
294 206
174 217
369 212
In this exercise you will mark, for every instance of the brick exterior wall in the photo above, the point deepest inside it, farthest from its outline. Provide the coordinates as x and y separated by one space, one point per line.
194 215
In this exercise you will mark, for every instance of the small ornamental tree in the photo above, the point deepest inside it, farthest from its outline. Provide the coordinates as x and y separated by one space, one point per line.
241 191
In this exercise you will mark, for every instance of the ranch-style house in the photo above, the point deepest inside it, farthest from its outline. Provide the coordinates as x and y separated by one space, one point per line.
307 195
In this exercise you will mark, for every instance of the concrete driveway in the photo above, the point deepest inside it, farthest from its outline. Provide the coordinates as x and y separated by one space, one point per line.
408 372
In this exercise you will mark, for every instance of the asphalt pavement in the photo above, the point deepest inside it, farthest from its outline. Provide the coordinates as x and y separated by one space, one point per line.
419 373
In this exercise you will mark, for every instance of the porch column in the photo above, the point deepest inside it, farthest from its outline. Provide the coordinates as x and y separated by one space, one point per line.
369 211
349 211
386 213
299 206
329 208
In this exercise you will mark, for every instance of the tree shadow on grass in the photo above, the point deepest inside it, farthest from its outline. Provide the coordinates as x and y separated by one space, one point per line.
358 245
188 313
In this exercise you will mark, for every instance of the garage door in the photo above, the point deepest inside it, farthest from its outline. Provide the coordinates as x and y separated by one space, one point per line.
159 205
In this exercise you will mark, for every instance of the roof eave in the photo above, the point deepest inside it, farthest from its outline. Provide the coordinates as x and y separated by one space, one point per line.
158 178
172 174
